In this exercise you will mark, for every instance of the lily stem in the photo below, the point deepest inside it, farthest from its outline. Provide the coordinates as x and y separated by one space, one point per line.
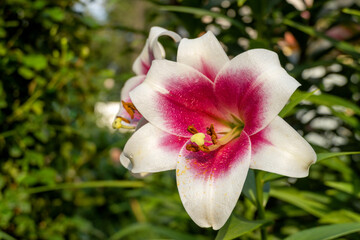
260 200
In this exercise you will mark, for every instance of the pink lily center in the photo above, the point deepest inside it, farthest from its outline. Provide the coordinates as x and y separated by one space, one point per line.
198 142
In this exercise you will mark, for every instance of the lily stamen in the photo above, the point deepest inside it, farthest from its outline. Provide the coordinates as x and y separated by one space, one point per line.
130 108
198 139
191 129
211 132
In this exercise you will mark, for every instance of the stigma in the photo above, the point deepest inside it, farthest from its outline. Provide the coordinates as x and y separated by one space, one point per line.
198 138
118 123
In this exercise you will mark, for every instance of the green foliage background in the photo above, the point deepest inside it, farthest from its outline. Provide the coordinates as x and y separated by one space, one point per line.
60 177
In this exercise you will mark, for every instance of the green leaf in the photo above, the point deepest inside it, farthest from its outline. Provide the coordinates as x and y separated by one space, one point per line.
326 232
323 156
340 216
35 61
268 176
249 188
26 72
236 227
203 12
351 11
135 228
330 101
294 101
91 184
5 236
341 45
344 187
55 13
241 3
300 200
339 166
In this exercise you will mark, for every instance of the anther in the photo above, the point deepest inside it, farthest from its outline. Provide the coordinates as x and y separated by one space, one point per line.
211 132
204 148
129 108
192 148
191 129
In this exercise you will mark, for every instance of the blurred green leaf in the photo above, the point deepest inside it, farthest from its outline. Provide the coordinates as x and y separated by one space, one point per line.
268 176
35 61
340 166
26 72
55 13
236 227
344 187
294 101
331 100
299 199
241 2
340 216
139 227
15 151
249 188
351 11
326 232
341 45
90 184
6 236
323 156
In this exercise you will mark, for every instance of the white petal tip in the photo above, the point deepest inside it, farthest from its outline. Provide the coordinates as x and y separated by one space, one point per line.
125 161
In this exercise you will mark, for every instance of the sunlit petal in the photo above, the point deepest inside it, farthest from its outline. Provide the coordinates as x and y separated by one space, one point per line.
174 96
280 149
204 54
151 150
254 87
210 183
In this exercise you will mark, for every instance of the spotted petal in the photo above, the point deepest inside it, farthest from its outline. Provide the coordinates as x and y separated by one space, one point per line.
175 96
152 50
210 183
151 150
254 87
204 54
278 148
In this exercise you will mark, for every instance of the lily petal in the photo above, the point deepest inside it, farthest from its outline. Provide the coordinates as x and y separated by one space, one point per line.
130 84
256 87
156 47
152 50
175 96
210 183
151 150
204 54
278 148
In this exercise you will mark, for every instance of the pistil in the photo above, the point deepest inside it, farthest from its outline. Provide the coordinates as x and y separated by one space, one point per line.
117 124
